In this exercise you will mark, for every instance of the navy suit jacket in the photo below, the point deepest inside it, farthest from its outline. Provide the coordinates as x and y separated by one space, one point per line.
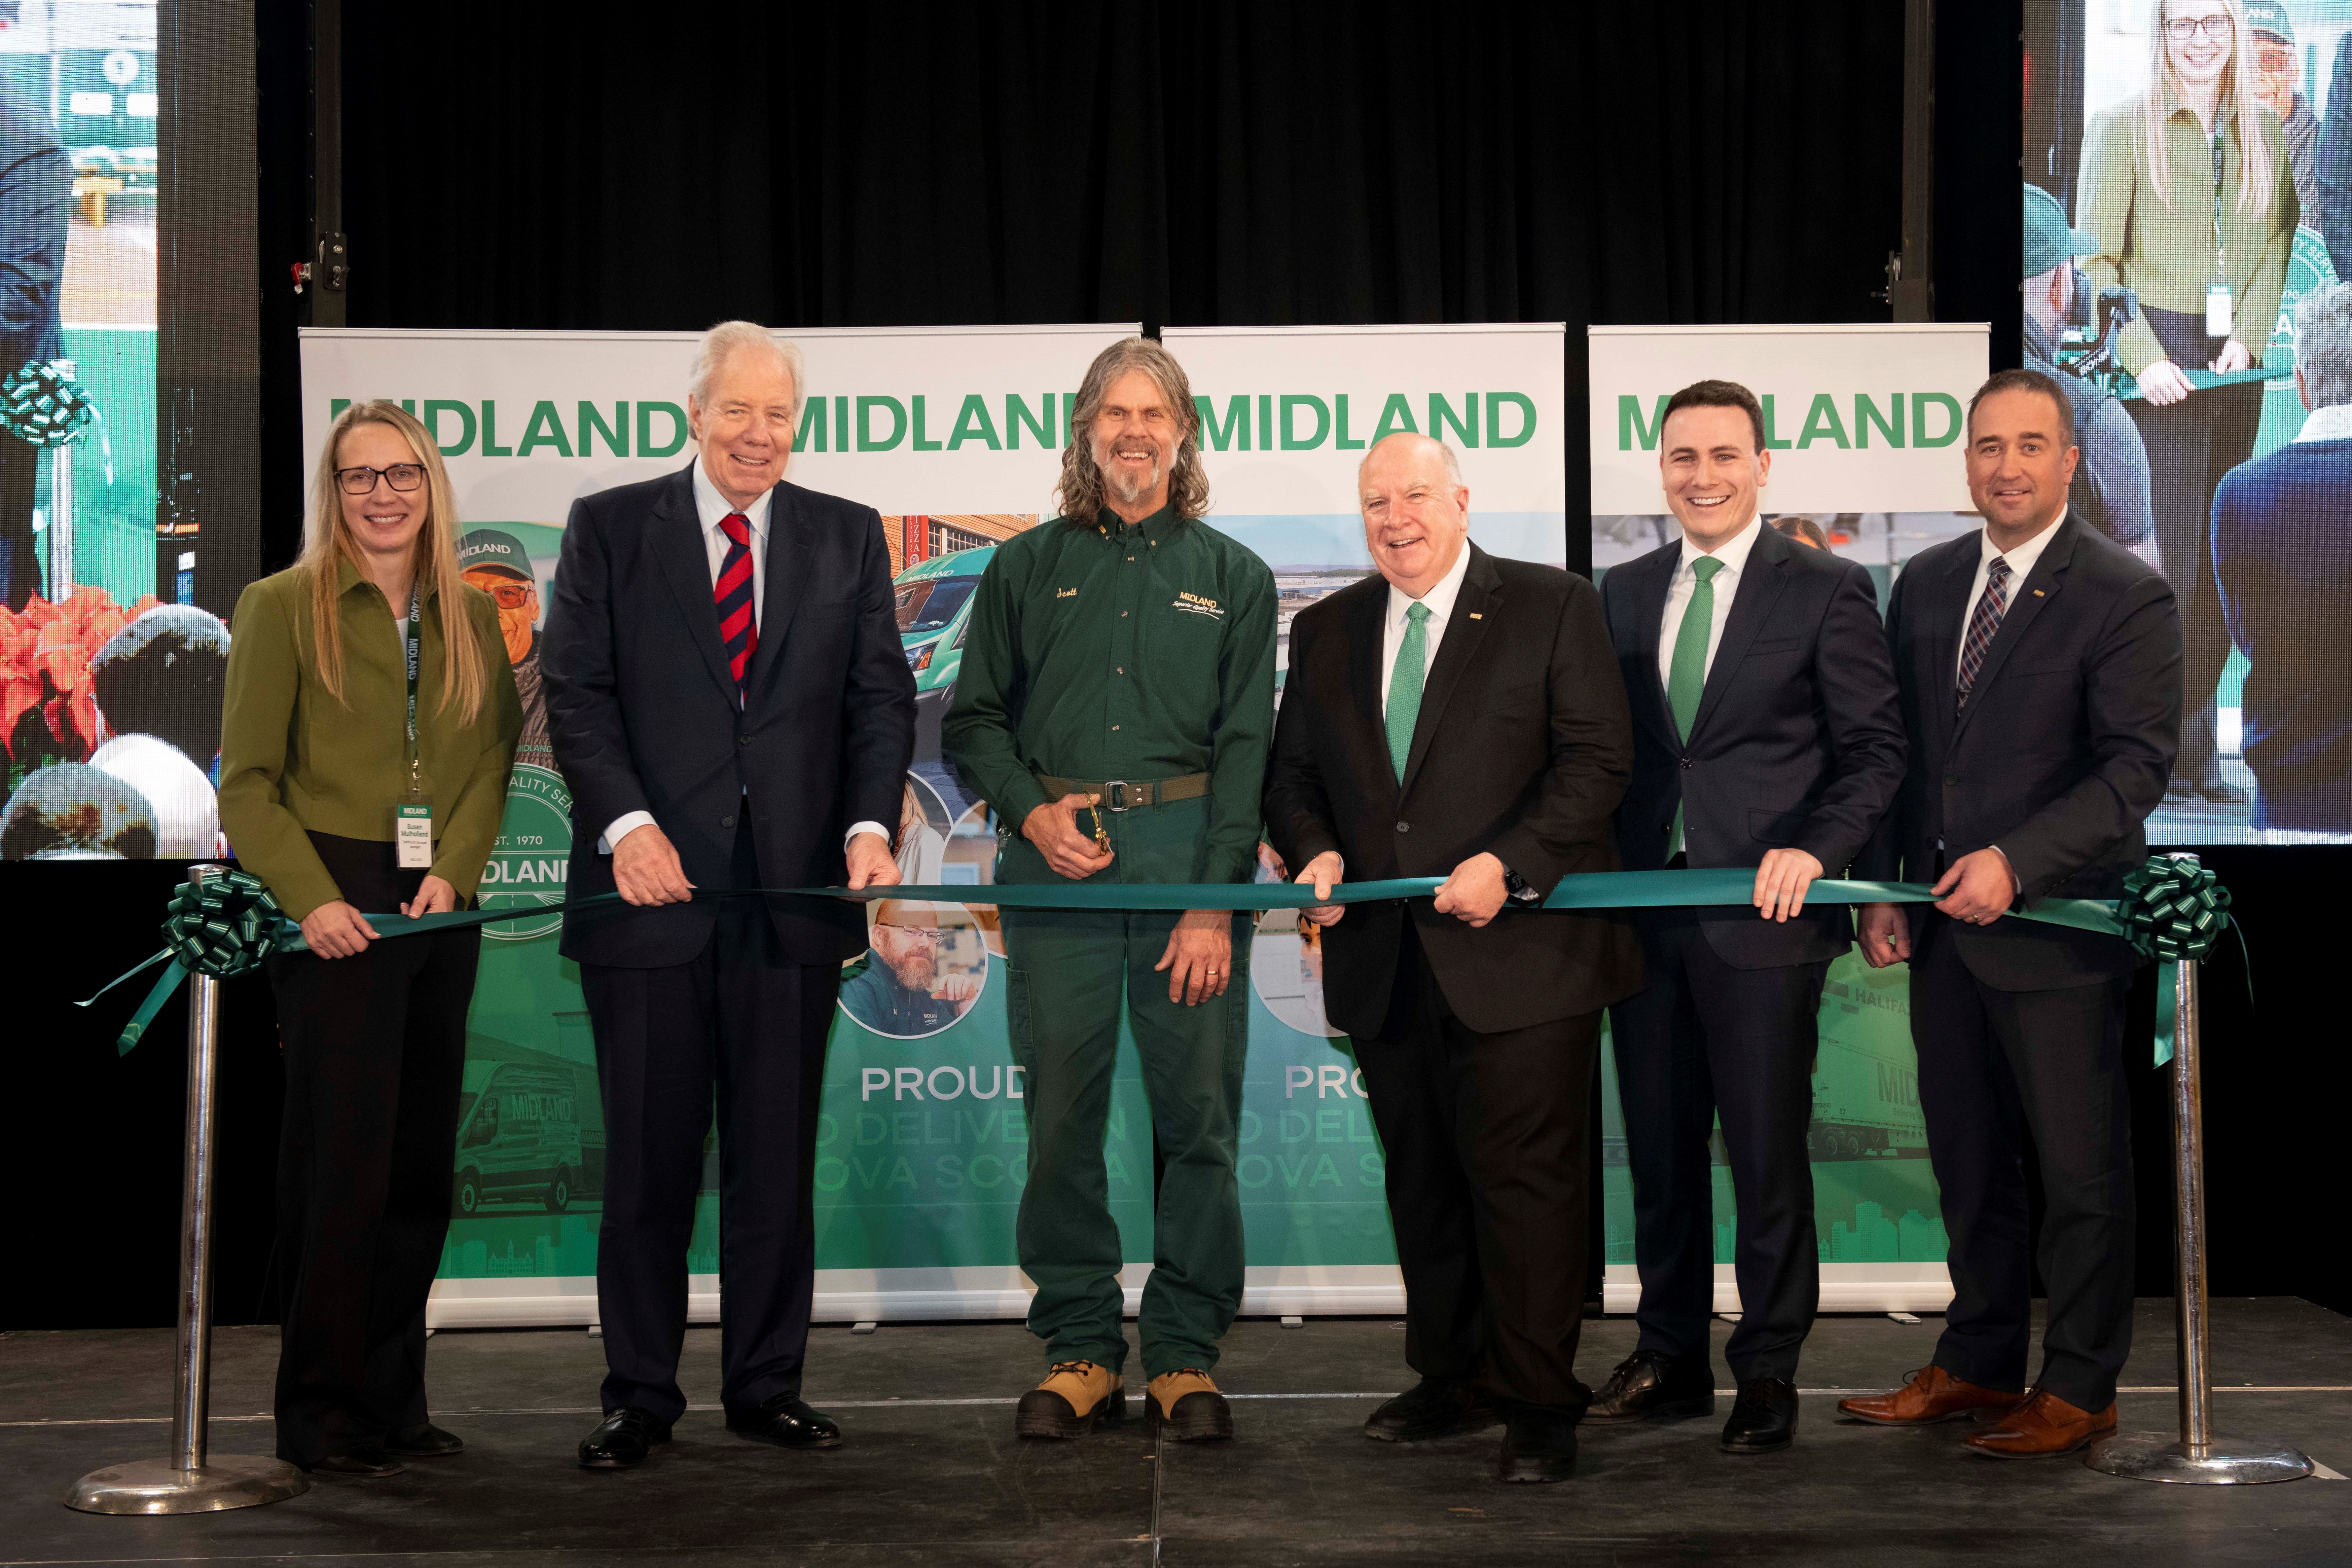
35 190
1797 741
2060 755
2332 162
642 710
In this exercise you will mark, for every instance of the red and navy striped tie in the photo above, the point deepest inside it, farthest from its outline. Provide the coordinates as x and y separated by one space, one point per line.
739 629
1984 624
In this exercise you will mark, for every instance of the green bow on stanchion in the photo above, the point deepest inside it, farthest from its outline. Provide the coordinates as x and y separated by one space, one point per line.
2172 910
222 926
42 407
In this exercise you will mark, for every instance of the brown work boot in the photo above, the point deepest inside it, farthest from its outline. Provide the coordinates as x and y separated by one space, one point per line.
1189 1405
1074 1396
1932 1395
2044 1426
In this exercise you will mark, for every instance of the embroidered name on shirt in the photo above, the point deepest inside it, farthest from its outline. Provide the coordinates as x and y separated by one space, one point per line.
1196 605
1066 592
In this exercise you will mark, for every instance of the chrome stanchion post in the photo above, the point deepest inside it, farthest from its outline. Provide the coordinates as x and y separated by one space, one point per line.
2196 1455
189 1480
61 510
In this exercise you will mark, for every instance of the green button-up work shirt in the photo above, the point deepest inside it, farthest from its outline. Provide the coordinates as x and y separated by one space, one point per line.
2164 247
1110 651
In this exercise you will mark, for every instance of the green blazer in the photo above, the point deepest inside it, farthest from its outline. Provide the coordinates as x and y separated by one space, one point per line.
295 761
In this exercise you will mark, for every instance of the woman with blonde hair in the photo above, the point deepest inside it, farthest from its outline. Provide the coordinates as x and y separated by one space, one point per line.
367 729
2188 190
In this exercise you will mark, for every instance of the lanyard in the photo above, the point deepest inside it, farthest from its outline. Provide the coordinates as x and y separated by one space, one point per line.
410 646
2220 265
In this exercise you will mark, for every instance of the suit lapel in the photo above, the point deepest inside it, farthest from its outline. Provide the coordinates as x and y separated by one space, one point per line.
1761 582
1944 604
1365 624
685 558
2027 601
782 585
1473 611
1653 574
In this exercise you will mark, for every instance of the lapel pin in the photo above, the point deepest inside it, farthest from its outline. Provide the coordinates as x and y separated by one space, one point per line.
2037 592
1475 615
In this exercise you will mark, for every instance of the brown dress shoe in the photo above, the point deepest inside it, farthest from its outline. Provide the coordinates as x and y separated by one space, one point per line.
2044 1426
1933 1395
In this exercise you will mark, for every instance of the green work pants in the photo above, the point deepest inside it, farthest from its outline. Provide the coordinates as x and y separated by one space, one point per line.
1070 973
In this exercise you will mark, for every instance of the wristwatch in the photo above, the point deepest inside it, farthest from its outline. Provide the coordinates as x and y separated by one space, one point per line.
1516 887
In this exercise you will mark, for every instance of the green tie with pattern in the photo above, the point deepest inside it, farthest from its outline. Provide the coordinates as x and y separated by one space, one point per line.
1687 676
1405 682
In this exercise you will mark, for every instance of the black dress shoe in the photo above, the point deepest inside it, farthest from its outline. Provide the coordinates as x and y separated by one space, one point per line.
621 1442
1433 1407
422 1441
1538 1444
1764 1418
360 1464
788 1422
1646 1384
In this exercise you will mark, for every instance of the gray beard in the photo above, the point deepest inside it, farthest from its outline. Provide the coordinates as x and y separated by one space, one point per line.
1114 480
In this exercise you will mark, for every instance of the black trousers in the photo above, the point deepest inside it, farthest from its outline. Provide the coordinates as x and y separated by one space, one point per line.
1704 1040
20 568
374 1052
742 1021
1993 1066
1486 1140
2191 445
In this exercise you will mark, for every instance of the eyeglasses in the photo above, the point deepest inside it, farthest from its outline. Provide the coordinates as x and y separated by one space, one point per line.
511 595
2180 29
925 936
2277 62
400 477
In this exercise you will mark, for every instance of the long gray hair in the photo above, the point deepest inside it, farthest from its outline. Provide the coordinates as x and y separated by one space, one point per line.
1080 493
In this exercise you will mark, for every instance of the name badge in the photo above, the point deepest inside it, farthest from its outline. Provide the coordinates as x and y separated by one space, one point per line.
2217 310
413 833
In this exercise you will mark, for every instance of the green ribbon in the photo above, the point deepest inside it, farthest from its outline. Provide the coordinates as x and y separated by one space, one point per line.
2201 380
42 407
228 924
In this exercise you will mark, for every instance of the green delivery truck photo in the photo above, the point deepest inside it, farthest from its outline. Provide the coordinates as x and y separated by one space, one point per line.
518 1138
934 613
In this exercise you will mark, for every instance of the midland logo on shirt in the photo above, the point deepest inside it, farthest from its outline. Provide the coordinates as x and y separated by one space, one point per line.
1197 605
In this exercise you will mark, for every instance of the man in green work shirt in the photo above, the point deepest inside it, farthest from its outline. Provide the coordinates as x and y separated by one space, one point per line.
1115 708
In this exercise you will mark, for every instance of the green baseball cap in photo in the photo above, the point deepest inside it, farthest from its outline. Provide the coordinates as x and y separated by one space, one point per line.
2270 17
500 552
2049 240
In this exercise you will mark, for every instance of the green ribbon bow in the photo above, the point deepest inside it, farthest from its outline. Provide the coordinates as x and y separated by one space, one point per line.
42 407
2170 910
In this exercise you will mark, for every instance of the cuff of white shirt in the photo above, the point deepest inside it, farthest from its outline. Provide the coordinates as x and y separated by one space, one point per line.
857 828
2016 883
628 822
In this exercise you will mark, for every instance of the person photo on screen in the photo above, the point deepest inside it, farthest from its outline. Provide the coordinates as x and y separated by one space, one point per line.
2040 666
494 562
2110 491
321 772
1803 530
730 707
2187 191
1114 708
2331 163
2278 81
2279 554
1457 715
1766 735
904 991
36 197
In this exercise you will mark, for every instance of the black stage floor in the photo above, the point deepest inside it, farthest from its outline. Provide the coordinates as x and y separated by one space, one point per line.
931 1474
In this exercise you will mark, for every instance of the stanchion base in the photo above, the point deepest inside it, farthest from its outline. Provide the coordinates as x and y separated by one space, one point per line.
2241 1462
158 1486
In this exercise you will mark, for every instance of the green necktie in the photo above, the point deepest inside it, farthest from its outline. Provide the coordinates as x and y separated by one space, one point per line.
1404 684
1687 676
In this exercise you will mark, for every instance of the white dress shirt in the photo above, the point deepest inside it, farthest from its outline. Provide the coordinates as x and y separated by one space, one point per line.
1733 553
1440 600
2020 559
710 509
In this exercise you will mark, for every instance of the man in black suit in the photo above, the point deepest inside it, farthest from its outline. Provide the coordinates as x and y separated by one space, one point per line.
730 707
1766 733
2040 664
1455 715
36 195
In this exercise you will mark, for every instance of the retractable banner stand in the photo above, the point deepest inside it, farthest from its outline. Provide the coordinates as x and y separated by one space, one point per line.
1864 425
922 1143
1286 414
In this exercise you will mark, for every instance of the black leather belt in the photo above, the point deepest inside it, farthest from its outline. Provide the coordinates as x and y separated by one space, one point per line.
1126 795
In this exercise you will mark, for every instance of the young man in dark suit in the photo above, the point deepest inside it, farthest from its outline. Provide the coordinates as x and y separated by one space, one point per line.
1455 716
1765 735
730 707
2040 664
